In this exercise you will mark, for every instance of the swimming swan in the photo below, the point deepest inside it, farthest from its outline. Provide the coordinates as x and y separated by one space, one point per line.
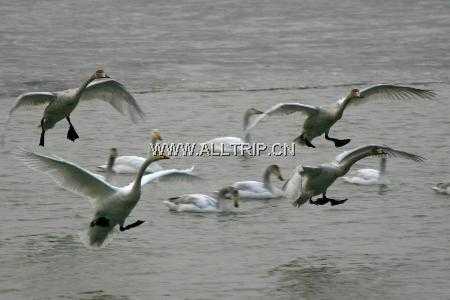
319 120
130 164
226 143
369 176
442 188
316 180
61 104
261 190
200 203
112 205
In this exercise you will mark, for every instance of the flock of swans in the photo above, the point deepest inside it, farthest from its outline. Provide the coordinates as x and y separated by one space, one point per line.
112 205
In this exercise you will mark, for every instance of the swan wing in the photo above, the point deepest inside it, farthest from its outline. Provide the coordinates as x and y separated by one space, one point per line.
389 91
69 176
348 158
33 99
281 109
170 175
114 93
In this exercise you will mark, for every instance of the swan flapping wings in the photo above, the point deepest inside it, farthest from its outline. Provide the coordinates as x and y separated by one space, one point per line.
33 99
170 175
348 158
69 176
389 91
114 93
283 109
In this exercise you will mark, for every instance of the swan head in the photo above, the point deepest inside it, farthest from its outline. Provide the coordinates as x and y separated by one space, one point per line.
230 193
254 111
275 170
113 153
99 74
354 93
156 135
160 156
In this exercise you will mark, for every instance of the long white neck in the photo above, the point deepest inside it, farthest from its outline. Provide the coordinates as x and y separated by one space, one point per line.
137 181
341 107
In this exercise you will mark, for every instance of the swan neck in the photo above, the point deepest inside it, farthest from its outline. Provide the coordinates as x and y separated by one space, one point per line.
247 116
382 166
137 181
247 138
266 179
82 88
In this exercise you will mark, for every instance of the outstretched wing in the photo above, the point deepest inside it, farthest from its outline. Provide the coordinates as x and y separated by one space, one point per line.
389 91
114 93
69 176
170 175
33 99
283 109
348 158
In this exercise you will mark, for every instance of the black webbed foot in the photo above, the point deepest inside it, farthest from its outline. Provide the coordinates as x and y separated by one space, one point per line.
132 225
41 140
71 134
320 201
102 222
334 202
340 143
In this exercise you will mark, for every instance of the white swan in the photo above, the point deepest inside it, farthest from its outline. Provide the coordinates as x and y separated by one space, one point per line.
204 203
61 104
369 176
227 144
316 180
320 119
130 164
112 205
261 190
442 188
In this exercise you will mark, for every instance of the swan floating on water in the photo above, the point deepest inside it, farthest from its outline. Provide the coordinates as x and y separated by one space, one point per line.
442 188
200 203
112 205
261 190
319 120
369 176
61 104
226 143
130 164
316 180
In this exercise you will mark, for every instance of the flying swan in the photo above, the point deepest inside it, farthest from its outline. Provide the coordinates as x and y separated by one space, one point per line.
316 180
130 164
200 203
112 205
319 120
261 190
61 104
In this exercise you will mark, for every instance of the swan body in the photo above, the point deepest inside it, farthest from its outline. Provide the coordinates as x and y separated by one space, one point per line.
369 176
130 164
319 120
316 180
442 188
112 205
200 203
260 190
60 104
231 144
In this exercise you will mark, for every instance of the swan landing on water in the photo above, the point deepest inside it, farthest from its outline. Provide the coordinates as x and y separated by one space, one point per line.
61 104
200 203
112 205
319 120
316 180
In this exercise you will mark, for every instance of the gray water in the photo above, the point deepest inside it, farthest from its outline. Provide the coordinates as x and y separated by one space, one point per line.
194 68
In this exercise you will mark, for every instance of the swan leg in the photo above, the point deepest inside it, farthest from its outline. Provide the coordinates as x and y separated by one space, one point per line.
41 140
337 142
303 141
71 134
132 225
334 202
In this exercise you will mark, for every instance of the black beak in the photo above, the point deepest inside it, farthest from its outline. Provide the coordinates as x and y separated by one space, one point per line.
281 178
